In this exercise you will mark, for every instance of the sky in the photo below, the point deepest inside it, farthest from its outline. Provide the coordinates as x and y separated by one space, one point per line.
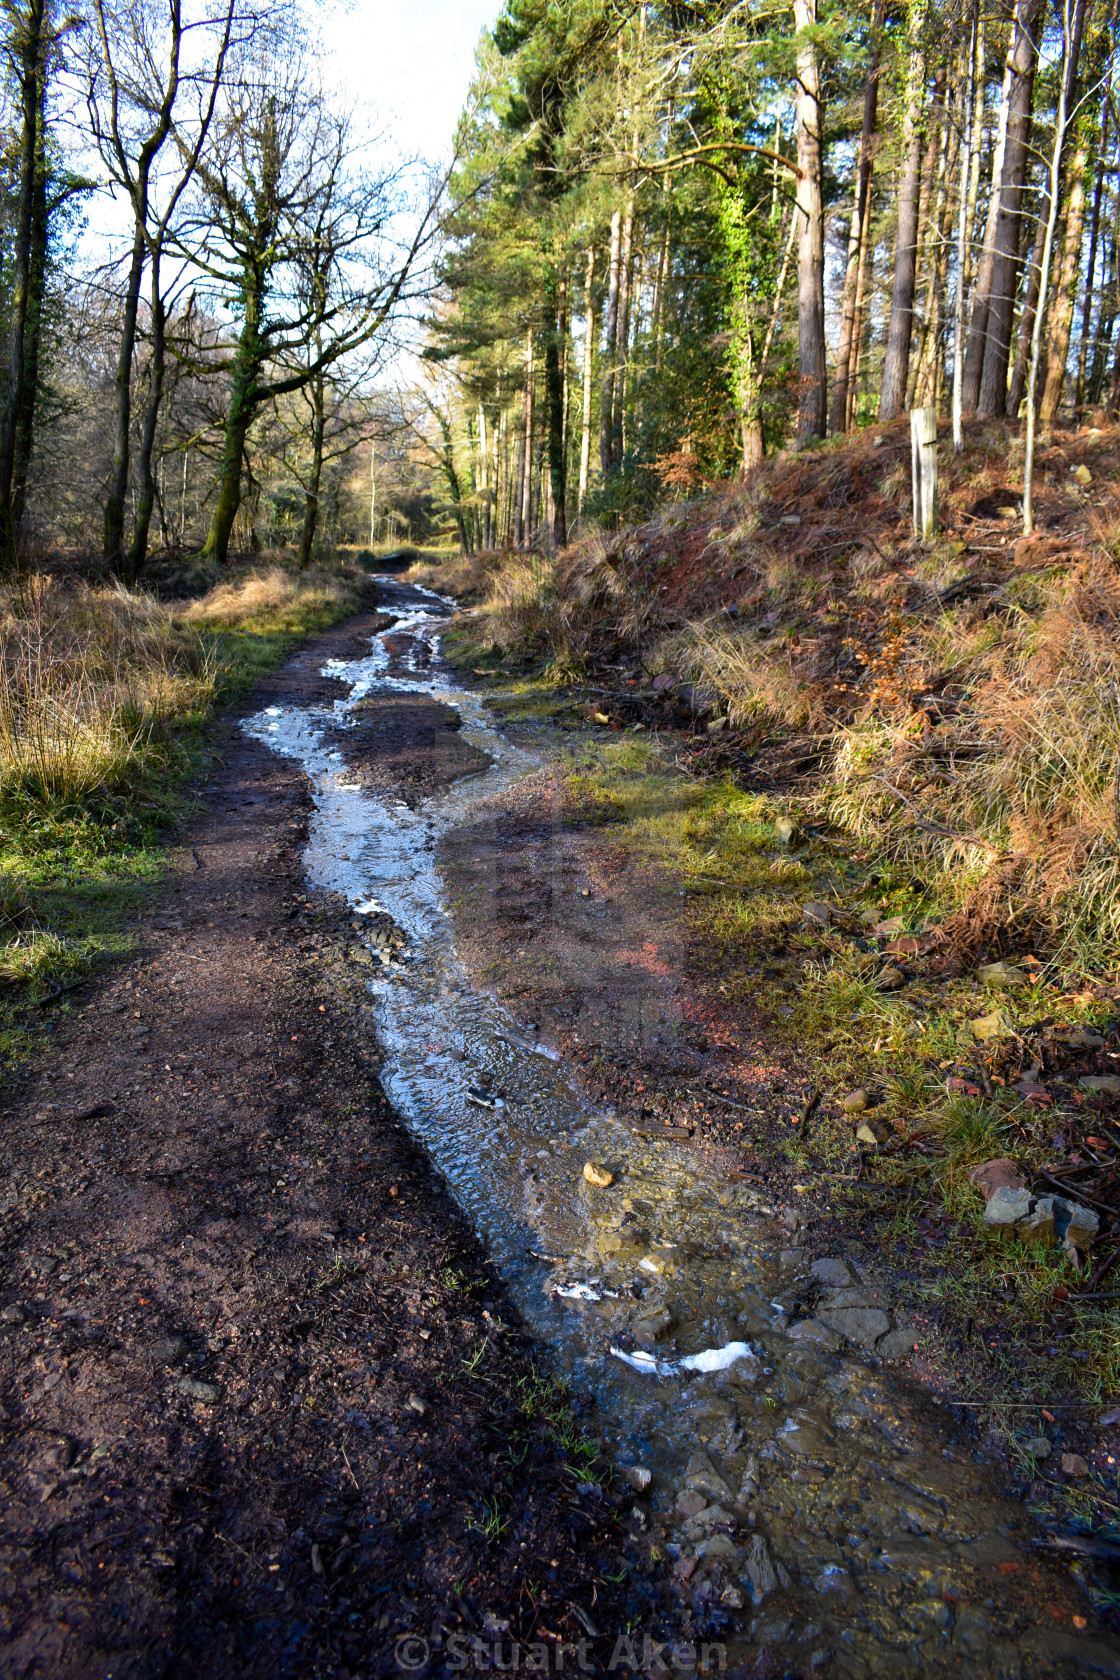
412 61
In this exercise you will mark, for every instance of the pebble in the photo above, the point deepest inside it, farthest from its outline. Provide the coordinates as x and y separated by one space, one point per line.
415 1404
997 1175
600 1176
14 1314
1108 1419
1038 1447
817 913
208 1393
690 1503
872 1132
638 1477
1074 1465
1002 974
856 1102
168 1349
1107 1083
785 830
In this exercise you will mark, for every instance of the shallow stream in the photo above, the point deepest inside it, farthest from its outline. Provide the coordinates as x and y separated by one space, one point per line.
790 1472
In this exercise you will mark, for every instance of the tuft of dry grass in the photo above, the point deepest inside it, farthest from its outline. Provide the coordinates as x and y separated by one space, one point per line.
273 600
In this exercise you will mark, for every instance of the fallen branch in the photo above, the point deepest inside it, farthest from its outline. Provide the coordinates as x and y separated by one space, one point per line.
935 828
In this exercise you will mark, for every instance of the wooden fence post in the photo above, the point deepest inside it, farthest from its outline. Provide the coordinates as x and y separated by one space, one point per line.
923 470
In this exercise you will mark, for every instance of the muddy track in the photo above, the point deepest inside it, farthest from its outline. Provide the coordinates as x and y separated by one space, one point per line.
239 1436
269 1407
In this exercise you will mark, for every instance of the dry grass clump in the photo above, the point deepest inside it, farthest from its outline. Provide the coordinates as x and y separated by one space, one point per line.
1003 793
277 598
89 679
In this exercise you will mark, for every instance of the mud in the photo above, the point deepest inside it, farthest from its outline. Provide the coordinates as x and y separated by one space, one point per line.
805 1500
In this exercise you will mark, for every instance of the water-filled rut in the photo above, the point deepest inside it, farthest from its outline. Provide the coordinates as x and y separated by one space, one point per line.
799 1487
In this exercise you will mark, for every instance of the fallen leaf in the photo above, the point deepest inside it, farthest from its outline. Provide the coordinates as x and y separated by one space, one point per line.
1009 1568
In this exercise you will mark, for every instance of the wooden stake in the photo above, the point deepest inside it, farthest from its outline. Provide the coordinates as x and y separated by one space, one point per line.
923 470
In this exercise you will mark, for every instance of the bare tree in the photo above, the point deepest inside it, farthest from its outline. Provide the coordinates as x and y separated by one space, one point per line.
291 224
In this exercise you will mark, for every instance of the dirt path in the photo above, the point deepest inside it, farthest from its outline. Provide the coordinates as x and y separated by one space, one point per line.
240 1436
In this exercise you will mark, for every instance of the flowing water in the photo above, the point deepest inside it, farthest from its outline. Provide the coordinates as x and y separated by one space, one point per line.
782 1469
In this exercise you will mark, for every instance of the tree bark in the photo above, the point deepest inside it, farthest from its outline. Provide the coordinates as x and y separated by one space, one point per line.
981 295
145 476
27 52
622 340
606 405
588 378
812 410
1061 311
24 442
1091 261
838 412
557 455
896 362
315 477
525 518
1023 60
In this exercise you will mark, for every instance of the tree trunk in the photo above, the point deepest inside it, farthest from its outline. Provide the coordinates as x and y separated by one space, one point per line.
242 406
966 212
37 285
1061 312
525 520
1027 313
311 496
606 406
27 51
896 362
812 410
981 295
557 460
588 378
146 482
1091 261
838 413
1005 259
921 377
622 337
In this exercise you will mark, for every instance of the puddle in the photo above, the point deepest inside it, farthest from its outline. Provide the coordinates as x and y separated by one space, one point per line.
778 1466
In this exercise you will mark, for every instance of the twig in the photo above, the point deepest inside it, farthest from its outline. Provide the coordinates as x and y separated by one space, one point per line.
935 828
353 1478
1104 1266
1081 1195
811 1102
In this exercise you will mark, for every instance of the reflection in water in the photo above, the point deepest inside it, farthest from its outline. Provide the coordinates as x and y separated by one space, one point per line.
776 1463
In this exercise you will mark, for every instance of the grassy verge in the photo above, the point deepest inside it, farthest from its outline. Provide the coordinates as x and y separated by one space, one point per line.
106 702
939 1054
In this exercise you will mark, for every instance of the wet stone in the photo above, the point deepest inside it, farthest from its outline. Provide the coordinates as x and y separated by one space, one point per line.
168 1350
208 1393
834 1274
863 1325
896 1344
689 1502
812 1330
855 1297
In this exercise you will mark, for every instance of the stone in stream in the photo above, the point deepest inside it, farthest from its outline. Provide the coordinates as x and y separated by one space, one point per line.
761 1574
651 1325
702 1476
834 1274
858 1296
689 1502
599 1176
638 1477
812 1330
